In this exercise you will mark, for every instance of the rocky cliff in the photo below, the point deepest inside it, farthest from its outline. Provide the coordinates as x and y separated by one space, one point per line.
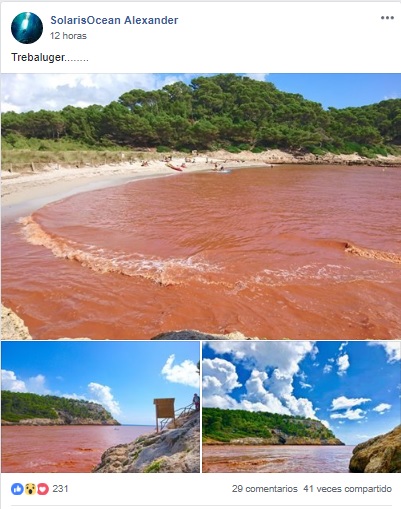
173 450
283 439
381 454
242 427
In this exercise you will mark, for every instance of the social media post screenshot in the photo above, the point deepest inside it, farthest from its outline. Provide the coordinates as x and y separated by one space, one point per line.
258 199
283 422
216 184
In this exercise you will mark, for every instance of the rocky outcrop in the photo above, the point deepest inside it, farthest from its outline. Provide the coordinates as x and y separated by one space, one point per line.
241 427
173 450
286 440
194 335
12 327
381 454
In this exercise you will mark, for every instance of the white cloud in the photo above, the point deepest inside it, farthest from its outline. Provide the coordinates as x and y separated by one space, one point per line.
300 406
392 349
327 368
10 382
219 401
102 394
27 92
257 398
285 355
185 373
382 408
269 387
304 385
344 402
343 364
219 379
35 384
351 414
342 346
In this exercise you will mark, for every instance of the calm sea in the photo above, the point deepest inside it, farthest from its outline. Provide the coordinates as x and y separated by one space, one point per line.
276 458
303 252
61 448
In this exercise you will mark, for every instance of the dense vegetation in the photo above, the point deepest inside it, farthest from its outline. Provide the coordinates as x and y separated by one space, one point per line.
224 111
226 425
16 406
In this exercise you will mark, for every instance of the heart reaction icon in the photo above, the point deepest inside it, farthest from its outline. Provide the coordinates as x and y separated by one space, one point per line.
43 489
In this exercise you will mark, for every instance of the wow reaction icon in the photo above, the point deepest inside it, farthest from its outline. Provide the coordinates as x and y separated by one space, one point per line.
30 489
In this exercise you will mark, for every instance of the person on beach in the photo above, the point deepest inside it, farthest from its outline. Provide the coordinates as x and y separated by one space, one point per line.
196 402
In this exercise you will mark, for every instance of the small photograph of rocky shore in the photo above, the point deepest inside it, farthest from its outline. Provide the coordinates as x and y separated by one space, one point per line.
110 407
307 406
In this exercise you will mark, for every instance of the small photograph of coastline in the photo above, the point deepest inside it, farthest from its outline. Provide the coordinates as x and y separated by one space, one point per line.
301 406
207 206
101 407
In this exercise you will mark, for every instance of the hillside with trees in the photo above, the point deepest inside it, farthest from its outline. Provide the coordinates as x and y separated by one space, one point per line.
28 408
225 111
244 427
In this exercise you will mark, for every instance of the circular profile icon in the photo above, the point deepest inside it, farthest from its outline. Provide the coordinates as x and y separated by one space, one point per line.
27 27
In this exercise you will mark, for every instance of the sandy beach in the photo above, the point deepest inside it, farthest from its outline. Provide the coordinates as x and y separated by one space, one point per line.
22 193
28 191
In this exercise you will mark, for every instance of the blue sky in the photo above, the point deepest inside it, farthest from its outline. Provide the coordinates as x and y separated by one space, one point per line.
124 376
340 90
24 92
353 387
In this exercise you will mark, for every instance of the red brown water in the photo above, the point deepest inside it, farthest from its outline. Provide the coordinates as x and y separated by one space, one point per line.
302 252
276 458
61 448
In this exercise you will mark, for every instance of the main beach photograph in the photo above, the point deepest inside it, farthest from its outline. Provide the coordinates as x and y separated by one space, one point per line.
301 406
201 206
101 407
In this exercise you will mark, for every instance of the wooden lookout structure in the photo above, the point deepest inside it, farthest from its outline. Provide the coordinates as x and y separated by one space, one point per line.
164 410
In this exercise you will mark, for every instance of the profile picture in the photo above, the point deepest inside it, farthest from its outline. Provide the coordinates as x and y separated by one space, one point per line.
27 27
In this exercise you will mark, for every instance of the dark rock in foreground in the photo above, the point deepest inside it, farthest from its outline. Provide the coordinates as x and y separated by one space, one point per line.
172 450
381 454
194 335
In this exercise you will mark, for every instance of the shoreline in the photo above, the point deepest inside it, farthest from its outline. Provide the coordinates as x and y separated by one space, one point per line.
26 192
